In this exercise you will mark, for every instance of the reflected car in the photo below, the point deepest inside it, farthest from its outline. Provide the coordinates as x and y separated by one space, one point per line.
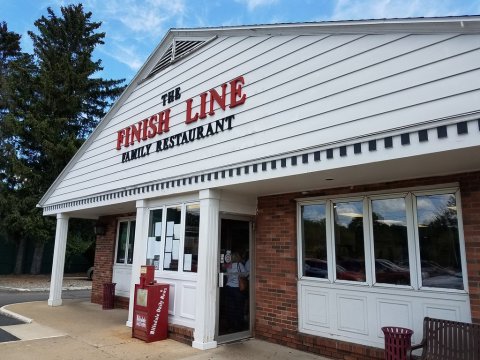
316 268
388 272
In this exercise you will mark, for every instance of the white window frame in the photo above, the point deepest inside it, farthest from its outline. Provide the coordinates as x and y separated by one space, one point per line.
119 221
410 196
183 208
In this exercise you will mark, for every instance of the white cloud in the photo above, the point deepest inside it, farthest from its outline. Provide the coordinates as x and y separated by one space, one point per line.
253 4
367 9
127 55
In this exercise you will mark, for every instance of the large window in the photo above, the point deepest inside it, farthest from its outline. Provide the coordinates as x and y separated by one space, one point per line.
410 239
125 242
173 238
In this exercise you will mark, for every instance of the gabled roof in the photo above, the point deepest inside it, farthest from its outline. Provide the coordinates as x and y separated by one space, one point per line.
180 43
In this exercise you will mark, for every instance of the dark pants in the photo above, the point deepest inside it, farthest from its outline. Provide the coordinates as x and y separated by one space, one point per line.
234 307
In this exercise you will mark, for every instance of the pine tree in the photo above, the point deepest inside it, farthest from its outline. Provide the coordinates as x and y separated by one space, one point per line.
54 102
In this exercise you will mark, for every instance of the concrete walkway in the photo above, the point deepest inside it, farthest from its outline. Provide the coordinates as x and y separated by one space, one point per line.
82 330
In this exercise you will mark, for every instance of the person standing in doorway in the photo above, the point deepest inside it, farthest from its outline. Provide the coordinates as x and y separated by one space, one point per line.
234 297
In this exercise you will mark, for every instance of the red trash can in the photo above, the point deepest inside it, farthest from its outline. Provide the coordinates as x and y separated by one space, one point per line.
108 296
397 342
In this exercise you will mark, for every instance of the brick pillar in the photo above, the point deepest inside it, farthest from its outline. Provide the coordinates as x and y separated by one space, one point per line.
104 253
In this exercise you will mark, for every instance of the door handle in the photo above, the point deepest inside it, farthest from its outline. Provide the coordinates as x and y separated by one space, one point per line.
221 280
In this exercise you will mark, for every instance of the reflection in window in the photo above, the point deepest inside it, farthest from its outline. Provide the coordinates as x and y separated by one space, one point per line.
314 241
349 242
390 241
192 226
155 233
439 241
125 242
172 238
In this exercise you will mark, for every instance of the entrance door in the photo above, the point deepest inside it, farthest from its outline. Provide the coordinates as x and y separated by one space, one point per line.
233 315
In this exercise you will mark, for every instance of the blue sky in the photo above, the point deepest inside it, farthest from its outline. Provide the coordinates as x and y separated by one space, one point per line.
135 27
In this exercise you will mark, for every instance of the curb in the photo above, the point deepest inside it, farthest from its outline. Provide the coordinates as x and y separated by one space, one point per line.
11 314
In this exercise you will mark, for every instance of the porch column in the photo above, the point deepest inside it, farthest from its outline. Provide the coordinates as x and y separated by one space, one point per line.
55 297
206 293
139 253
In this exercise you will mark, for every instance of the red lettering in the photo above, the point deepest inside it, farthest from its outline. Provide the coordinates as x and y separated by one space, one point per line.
203 106
152 127
120 138
163 121
127 137
136 132
216 98
144 129
189 119
236 96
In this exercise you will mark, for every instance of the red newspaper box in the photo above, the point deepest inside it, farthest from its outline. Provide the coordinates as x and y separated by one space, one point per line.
150 311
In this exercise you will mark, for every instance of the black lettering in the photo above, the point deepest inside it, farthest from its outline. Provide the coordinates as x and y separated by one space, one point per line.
164 99
177 93
171 143
192 134
159 146
171 96
219 125
125 157
184 138
134 154
200 132
210 130
148 148
177 137
229 121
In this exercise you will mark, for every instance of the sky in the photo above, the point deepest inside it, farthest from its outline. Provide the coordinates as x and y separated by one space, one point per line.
135 27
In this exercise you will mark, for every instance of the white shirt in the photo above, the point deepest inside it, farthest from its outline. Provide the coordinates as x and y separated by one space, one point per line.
234 270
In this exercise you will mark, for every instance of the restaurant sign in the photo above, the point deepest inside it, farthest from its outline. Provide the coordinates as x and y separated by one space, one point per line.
158 125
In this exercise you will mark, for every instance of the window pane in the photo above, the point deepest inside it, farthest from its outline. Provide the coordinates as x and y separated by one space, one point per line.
390 241
314 241
131 242
122 242
439 242
172 238
192 226
349 246
155 233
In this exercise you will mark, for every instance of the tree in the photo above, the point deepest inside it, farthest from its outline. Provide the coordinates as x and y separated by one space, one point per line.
56 102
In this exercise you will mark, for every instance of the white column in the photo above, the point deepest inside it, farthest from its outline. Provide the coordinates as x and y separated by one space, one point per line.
206 293
139 253
55 297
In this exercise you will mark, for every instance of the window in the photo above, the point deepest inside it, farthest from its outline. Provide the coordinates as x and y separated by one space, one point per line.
349 240
125 242
173 238
314 241
409 239
390 241
437 226
192 227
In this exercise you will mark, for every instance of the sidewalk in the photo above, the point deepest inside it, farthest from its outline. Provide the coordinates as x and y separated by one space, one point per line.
82 330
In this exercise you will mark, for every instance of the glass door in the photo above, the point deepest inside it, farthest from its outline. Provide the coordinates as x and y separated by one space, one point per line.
234 280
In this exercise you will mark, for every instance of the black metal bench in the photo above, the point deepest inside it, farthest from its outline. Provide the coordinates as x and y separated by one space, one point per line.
448 340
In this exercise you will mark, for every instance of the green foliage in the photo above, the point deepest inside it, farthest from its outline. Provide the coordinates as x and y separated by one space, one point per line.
50 101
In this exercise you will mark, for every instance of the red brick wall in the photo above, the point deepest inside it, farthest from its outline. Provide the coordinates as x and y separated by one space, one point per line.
276 265
104 253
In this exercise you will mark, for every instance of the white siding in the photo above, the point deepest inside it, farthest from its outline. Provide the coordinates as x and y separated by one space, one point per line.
302 92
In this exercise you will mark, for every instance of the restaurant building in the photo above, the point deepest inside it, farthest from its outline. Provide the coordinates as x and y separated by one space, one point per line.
338 162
